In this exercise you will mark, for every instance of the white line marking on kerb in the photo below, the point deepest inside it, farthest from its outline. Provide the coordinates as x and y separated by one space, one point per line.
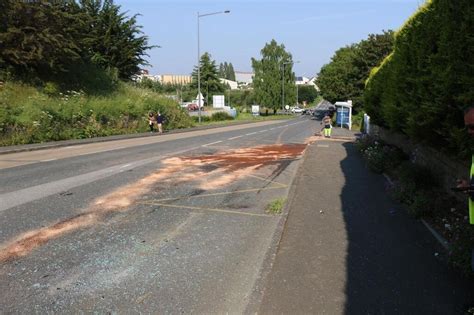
208 144
73 147
48 160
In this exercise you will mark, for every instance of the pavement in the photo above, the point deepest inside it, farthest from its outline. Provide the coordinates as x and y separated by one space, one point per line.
347 248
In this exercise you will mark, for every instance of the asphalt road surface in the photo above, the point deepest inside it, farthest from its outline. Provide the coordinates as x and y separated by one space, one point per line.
167 224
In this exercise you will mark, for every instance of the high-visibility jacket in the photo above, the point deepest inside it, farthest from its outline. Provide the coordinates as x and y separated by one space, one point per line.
471 193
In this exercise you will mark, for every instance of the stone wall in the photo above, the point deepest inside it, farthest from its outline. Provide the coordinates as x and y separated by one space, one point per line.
445 168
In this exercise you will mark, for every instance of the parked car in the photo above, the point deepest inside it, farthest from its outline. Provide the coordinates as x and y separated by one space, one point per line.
192 107
296 110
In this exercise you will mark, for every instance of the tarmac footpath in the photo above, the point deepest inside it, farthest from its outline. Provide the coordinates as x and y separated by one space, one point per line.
347 248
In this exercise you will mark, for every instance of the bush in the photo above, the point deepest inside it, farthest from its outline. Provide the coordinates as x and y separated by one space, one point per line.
379 156
203 119
422 88
28 115
220 116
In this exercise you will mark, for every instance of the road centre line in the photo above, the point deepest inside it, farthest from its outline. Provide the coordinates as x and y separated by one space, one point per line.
32 193
249 134
208 144
235 137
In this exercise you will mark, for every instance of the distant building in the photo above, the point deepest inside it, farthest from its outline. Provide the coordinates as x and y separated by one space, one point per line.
144 74
306 81
301 80
178 79
233 85
244 77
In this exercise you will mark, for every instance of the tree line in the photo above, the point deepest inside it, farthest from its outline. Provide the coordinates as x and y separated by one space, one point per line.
226 71
423 86
53 40
416 81
344 77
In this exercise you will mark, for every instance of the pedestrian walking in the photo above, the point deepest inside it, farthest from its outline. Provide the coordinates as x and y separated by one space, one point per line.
151 121
160 120
327 125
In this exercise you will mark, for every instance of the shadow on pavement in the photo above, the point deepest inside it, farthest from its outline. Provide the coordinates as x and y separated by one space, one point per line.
391 263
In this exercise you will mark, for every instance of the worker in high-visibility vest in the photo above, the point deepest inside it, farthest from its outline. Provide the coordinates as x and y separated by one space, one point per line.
468 186
327 125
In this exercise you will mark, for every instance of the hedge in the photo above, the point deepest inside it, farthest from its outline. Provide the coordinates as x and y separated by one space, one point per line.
422 88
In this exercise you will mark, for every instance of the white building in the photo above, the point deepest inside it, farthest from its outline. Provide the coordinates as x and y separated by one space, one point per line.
302 80
244 77
233 85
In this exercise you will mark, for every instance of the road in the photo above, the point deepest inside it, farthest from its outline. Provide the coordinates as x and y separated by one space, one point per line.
167 224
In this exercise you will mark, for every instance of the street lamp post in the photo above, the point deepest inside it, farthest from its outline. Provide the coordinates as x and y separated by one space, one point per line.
199 57
283 83
297 95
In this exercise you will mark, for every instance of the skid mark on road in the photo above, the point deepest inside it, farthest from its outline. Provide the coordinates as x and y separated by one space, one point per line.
206 172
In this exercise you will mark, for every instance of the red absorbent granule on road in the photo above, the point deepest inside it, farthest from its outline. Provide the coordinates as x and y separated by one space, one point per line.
207 171
249 157
32 239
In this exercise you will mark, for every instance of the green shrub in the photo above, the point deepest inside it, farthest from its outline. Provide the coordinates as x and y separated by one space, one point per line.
379 156
364 142
51 88
422 204
28 115
422 88
203 119
220 116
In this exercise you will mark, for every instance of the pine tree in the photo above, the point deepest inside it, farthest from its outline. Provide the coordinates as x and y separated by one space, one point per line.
210 83
231 75
221 70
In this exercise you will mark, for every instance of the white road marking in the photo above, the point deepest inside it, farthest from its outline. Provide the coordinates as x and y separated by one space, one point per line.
249 134
235 138
48 160
322 146
208 144
73 147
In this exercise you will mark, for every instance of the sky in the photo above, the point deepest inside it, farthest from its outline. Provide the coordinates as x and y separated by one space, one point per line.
311 30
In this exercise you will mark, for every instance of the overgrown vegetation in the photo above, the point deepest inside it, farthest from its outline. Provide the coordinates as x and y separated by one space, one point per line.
422 88
276 206
344 77
417 188
29 115
54 40
63 68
